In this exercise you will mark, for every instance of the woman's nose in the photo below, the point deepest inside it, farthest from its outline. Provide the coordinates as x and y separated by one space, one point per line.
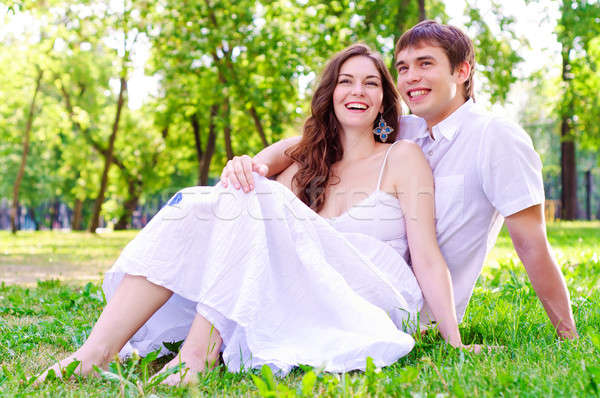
357 88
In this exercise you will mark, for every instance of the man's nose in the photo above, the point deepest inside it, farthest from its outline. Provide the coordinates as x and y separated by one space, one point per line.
412 75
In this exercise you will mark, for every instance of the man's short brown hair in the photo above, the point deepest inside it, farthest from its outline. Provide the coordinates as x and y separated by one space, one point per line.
457 46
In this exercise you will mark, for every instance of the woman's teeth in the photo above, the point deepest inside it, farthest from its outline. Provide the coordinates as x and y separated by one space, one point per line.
356 106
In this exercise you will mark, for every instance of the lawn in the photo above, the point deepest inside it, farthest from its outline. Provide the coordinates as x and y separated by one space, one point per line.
43 320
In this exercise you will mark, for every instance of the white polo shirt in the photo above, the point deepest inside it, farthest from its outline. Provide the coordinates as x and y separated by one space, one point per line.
485 169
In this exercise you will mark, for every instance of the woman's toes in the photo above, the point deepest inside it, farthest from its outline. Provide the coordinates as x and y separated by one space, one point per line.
86 359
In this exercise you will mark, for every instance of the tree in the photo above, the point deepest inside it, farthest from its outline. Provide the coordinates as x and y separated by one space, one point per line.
26 138
578 32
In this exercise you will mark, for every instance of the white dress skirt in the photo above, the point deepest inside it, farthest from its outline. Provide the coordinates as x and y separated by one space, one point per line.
281 285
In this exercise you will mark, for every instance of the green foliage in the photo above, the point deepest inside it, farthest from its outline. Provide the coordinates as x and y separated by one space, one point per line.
495 56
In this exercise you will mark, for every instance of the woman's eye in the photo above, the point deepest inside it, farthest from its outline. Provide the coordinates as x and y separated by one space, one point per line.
373 84
344 81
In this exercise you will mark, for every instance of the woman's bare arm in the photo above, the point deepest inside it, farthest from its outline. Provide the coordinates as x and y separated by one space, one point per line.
268 162
414 185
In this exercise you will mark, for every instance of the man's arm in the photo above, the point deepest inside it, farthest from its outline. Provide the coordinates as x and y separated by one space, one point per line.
527 230
268 162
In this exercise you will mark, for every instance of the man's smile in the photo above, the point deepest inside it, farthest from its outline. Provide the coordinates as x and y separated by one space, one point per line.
417 93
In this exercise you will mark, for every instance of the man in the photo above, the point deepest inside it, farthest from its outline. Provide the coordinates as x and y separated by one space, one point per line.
485 169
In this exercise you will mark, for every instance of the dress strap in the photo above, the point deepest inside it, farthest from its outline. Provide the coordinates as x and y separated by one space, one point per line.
383 165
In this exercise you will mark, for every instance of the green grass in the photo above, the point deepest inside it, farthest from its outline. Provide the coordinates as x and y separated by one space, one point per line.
45 320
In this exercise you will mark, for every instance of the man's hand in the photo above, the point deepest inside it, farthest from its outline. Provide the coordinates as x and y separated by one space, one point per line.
239 170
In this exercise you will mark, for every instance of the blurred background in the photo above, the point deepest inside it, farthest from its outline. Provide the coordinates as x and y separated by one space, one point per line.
109 107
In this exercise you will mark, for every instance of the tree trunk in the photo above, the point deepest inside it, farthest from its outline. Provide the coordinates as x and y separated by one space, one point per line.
26 138
568 176
422 13
198 143
259 127
210 147
588 195
227 129
54 214
568 170
108 159
129 206
33 216
76 220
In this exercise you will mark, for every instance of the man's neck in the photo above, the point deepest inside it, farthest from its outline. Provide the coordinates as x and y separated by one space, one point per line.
440 117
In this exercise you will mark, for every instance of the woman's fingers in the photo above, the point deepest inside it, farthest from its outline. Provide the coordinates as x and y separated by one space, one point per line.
225 174
238 178
238 172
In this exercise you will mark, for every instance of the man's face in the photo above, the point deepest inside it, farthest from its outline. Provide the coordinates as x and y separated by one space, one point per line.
428 85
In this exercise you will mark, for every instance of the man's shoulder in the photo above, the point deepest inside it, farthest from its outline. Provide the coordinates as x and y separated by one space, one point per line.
494 123
411 127
500 129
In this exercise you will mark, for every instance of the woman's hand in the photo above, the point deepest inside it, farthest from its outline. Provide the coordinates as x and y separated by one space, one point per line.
239 170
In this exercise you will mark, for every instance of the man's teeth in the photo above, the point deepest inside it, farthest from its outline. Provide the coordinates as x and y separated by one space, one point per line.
417 93
356 106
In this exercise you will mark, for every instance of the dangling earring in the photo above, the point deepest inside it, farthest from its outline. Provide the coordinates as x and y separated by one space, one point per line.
382 130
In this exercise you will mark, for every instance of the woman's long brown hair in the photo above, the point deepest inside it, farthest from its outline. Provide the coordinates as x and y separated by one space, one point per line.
320 146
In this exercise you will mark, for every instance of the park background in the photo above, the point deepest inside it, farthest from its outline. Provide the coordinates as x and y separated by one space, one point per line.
109 107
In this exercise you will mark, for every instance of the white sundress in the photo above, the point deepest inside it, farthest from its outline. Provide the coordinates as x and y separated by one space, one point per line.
282 285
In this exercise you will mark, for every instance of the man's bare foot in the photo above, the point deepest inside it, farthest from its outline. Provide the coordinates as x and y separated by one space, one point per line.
87 357
192 364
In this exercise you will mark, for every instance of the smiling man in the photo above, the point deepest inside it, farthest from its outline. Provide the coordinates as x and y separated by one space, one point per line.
485 169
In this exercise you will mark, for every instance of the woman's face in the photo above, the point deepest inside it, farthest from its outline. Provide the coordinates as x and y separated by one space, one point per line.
358 95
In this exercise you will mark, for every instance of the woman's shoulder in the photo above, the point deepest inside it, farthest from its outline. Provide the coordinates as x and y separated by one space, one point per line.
406 160
407 150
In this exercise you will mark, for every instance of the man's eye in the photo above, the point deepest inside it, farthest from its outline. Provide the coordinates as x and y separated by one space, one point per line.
426 63
402 69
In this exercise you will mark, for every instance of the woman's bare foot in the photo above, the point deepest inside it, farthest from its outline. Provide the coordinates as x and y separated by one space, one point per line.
194 361
199 351
87 357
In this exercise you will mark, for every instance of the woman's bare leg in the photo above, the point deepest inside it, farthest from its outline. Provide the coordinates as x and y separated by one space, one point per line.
200 350
134 302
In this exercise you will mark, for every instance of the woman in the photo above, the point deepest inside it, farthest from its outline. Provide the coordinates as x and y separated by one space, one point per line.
266 278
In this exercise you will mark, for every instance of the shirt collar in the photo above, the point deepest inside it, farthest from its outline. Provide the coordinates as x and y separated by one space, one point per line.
450 125
412 127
